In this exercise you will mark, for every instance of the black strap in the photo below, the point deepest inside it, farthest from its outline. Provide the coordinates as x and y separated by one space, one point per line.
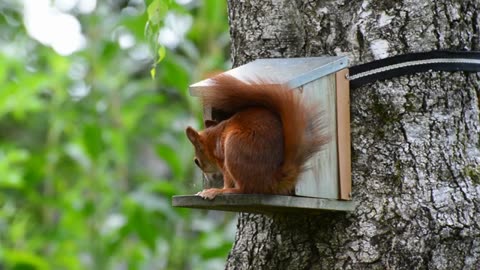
412 63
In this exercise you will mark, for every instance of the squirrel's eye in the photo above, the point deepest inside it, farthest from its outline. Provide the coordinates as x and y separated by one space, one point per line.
197 162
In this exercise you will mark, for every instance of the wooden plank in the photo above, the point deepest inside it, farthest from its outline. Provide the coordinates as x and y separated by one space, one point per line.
343 133
321 177
260 203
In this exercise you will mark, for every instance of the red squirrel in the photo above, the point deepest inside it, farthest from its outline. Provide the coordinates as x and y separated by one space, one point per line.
263 147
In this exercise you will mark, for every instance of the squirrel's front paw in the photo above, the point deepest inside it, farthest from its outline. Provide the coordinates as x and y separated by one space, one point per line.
209 194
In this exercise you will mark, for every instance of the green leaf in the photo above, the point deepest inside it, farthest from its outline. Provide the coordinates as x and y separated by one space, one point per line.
157 10
153 72
161 53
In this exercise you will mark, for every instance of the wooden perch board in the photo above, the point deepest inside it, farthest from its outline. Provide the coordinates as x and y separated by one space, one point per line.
261 203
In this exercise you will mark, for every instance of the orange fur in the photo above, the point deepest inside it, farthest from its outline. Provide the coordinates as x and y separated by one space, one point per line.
264 146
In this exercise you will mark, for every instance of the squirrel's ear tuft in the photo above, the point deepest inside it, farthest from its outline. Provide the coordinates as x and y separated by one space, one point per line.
192 135
210 123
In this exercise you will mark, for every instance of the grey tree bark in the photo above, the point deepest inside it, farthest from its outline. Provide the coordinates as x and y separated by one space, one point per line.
415 139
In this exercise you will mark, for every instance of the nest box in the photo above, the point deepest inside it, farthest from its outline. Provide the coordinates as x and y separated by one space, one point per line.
326 184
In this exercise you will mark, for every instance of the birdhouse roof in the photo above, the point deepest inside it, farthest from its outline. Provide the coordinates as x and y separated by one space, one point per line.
293 71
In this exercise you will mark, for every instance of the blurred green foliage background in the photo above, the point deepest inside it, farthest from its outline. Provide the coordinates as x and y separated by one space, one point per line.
91 148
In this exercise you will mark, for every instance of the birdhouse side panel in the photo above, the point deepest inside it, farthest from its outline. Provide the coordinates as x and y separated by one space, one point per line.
321 177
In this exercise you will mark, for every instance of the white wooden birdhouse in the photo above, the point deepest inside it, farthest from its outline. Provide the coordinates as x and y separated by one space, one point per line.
326 184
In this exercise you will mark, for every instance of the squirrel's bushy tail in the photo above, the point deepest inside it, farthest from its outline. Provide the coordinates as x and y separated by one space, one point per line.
303 129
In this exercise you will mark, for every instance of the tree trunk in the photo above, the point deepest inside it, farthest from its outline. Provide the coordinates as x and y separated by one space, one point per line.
415 139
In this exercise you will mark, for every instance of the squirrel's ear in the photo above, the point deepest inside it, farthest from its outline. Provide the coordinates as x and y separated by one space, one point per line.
210 123
192 135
